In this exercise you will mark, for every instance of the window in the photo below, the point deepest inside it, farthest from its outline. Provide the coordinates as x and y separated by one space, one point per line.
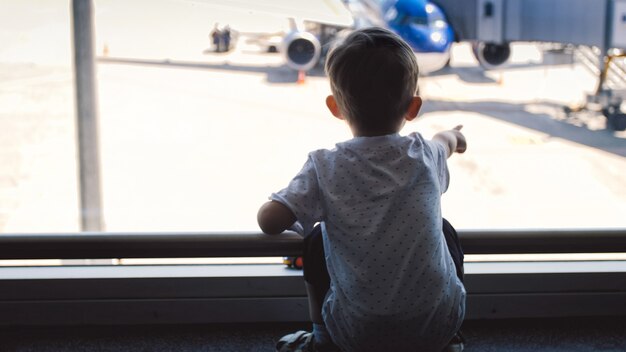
193 137
195 140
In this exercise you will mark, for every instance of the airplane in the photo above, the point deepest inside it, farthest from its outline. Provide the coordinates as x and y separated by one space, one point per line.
313 25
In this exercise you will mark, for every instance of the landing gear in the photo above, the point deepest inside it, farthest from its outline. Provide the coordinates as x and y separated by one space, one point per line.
615 118
608 100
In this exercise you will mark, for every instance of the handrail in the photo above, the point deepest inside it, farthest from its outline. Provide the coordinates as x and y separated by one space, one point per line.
543 241
88 245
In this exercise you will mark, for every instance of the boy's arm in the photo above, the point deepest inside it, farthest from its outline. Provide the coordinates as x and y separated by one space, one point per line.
274 217
453 140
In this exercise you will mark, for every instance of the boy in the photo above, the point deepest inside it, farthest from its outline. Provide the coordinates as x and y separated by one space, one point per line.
383 270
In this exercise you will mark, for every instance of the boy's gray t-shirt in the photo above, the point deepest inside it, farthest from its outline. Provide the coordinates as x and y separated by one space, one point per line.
393 282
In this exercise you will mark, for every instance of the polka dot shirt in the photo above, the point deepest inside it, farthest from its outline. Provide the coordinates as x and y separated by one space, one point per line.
393 282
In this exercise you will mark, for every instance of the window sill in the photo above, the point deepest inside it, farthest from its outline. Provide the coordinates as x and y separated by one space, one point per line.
173 294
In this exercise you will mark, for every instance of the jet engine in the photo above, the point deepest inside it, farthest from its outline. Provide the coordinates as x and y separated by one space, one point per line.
301 50
490 55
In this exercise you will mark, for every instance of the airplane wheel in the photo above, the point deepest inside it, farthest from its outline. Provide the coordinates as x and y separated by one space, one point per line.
490 55
610 110
617 121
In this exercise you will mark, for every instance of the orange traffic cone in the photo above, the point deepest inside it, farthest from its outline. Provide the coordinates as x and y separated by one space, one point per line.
105 50
301 77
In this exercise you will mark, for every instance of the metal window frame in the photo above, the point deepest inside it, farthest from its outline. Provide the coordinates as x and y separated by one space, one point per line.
203 294
173 294
273 293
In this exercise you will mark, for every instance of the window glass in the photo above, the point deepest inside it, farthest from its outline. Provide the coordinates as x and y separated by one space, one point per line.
193 137
38 179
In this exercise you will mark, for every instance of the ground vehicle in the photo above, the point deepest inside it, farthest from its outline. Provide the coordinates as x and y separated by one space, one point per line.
293 262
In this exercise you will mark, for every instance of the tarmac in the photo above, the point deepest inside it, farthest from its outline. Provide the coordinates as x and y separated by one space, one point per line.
193 140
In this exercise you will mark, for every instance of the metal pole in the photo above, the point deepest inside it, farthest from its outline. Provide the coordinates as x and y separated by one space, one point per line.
86 116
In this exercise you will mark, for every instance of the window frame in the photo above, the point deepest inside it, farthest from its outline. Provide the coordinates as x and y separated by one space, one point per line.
168 294
79 295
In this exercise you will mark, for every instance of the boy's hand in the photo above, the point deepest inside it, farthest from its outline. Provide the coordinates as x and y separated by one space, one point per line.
274 217
453 140
461 143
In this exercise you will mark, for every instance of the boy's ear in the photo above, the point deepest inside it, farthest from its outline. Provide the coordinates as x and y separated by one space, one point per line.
331 103
414 108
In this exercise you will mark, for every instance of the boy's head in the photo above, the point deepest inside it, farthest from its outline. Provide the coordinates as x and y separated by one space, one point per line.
373 77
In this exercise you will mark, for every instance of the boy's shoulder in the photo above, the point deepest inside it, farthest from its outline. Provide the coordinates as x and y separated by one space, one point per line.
364 144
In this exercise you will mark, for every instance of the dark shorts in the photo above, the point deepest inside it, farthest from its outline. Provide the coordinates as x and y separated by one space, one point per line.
316 274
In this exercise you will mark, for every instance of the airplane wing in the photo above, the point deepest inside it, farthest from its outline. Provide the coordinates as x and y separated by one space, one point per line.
329 12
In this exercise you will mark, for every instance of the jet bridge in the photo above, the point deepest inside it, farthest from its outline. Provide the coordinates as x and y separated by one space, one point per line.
598 24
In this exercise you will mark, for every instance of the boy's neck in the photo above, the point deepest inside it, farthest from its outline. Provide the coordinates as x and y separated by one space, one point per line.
373 133
357 132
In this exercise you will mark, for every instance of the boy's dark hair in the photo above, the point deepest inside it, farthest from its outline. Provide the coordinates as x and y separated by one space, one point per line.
373 76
